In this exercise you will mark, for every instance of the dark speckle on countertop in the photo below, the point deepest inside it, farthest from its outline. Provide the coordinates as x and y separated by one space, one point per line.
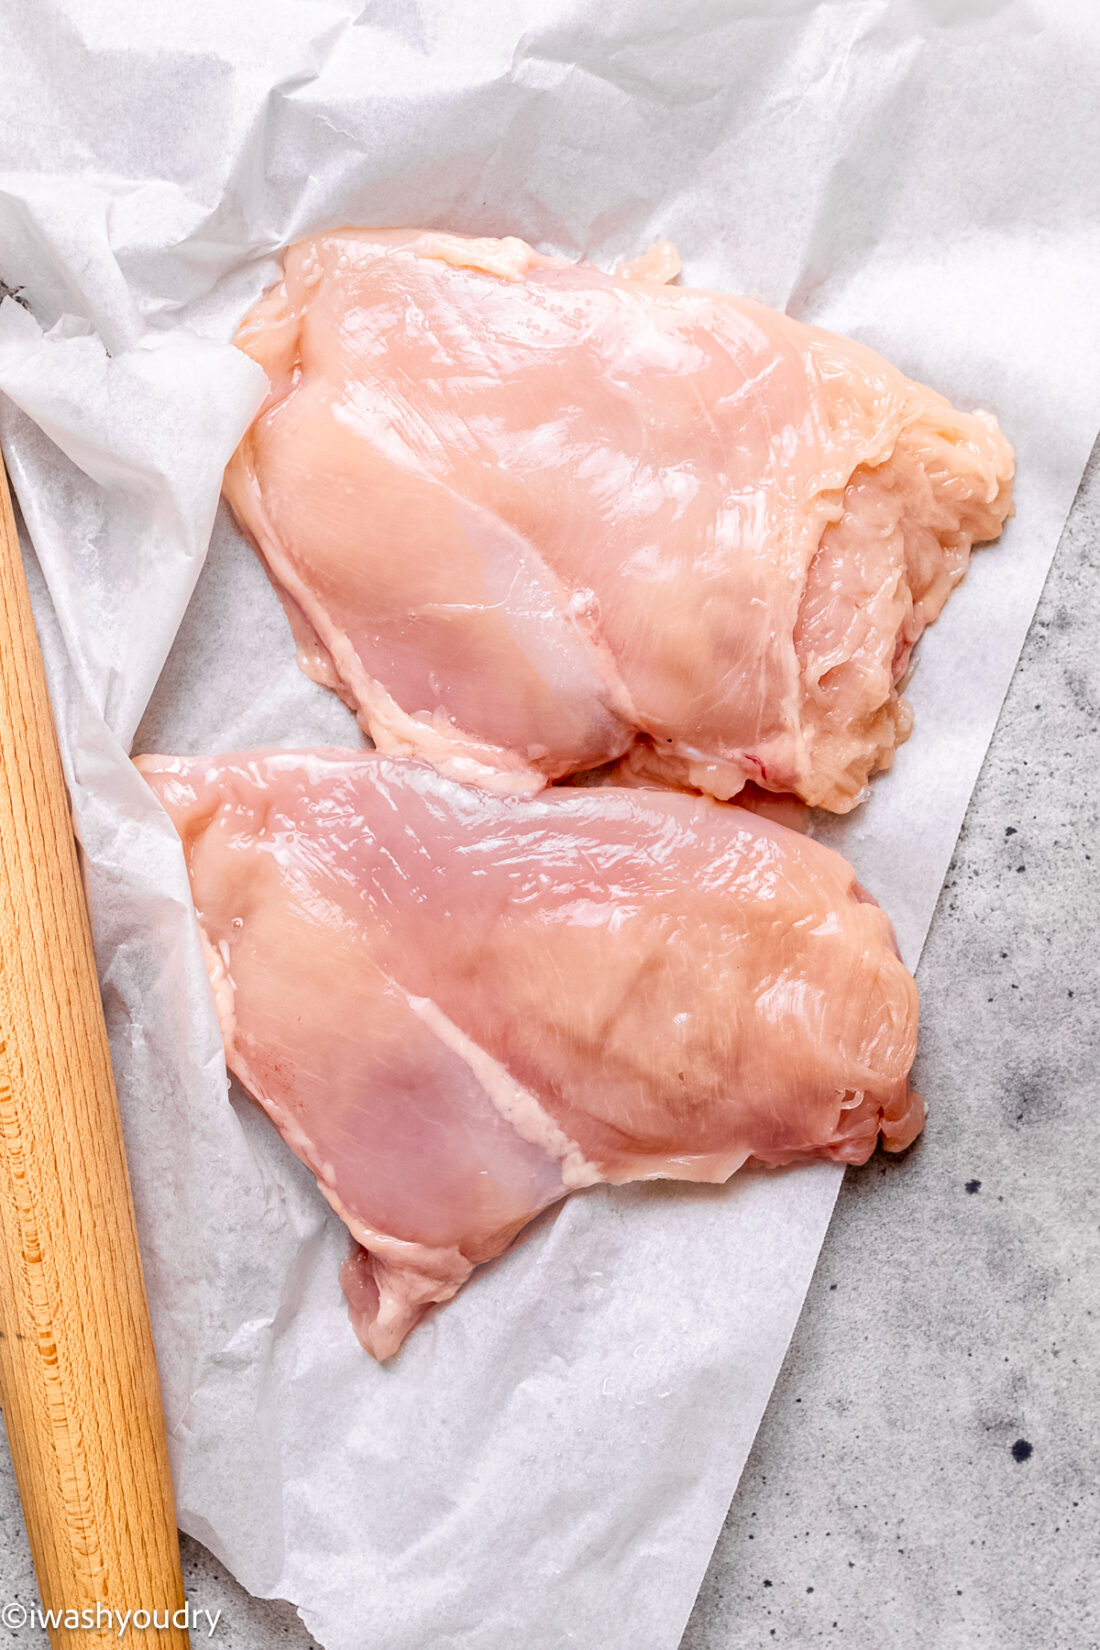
14 292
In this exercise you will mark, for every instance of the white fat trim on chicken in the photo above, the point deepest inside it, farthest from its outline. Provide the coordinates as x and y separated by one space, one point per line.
516 1105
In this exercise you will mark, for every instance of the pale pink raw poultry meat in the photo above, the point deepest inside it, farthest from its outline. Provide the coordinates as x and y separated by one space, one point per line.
457 1006
527 517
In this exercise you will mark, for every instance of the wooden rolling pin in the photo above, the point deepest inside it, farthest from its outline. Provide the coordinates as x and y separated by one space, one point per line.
78 1377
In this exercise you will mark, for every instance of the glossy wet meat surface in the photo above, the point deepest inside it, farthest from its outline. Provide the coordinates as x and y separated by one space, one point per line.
457 1006
528 518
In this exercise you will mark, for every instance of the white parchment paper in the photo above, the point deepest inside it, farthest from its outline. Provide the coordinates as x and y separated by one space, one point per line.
549 1461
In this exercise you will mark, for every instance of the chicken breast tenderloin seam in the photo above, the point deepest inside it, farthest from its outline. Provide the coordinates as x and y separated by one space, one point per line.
529 518
458 1007
405 1277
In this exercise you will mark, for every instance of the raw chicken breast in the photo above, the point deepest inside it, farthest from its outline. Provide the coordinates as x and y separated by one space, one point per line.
457 1007
527 517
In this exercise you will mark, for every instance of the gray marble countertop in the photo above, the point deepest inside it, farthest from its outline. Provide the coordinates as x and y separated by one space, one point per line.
926 1473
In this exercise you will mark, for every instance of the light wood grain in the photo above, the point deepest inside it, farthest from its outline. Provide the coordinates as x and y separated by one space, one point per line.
78 1378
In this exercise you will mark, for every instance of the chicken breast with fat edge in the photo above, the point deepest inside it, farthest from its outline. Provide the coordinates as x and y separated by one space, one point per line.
528 518
458 1007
